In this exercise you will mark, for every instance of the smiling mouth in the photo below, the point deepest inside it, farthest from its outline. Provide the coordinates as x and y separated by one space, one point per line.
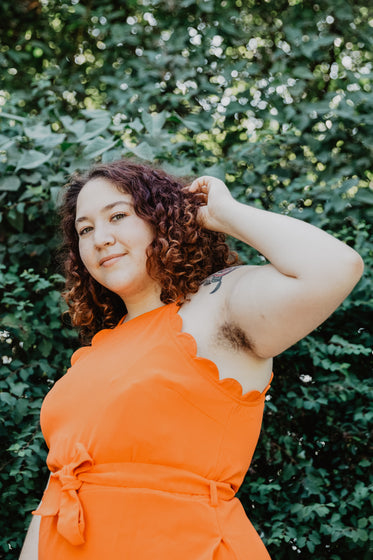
111 259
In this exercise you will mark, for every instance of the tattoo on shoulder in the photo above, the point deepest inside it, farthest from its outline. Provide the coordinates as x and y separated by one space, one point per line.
217 278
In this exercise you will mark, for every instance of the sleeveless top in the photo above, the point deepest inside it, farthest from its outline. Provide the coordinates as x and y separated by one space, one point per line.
147 448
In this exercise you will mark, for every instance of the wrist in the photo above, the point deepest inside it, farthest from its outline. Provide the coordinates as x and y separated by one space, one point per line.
230 217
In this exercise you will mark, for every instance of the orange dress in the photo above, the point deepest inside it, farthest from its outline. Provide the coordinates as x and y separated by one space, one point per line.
147 448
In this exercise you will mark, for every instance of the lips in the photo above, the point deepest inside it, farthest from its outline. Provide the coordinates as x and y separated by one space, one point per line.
111 258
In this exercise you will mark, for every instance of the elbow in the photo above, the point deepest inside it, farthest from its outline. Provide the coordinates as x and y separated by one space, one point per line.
341 274
357 265
354 266
361 265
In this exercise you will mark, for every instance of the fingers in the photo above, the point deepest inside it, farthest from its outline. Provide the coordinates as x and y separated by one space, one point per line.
200 185
201 181
199 192
201 198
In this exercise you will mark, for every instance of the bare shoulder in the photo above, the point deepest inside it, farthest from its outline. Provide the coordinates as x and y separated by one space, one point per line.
215 280
206 317
209 307
214 291
222 279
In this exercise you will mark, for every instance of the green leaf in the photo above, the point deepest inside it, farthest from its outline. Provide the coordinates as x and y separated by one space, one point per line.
216 170
10 183
33 178
178 171
95 127
37 131
6 142
98 146
20 410
191 124
32 159
77 127
154 122
143 151
302 72
15 217
136 125
4 115
7 398
364 196
18 389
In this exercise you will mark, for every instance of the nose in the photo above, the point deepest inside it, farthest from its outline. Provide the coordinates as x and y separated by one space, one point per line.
103 237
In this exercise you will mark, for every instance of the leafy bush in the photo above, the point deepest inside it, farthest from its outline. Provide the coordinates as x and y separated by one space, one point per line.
274 97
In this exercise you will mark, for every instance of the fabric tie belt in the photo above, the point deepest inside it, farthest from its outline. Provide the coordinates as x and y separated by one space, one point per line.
61 496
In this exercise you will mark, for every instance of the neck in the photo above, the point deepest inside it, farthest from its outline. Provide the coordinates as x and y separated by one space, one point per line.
139 305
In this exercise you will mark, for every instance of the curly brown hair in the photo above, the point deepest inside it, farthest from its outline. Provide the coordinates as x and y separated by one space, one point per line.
180 257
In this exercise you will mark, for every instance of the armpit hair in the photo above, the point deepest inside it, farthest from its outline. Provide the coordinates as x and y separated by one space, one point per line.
232 335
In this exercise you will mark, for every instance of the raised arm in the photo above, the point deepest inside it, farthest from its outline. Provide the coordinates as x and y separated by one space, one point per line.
310 273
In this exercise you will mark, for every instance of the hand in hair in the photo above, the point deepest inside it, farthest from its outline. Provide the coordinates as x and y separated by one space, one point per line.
214 198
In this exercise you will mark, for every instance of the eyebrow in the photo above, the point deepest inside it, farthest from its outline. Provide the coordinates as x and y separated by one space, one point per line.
104 209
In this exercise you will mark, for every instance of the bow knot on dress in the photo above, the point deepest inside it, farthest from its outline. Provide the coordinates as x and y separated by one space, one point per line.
147 448
61 497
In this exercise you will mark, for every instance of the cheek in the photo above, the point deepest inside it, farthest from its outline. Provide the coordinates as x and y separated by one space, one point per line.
84 254
149 235
142 238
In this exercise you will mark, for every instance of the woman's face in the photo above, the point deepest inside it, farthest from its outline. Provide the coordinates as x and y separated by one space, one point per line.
113 240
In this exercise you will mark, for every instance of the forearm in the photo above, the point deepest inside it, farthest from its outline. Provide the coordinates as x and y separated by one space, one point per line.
294 247
310 274
30 546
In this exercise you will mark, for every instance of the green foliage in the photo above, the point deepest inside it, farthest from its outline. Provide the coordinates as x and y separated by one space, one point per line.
276 98
35 348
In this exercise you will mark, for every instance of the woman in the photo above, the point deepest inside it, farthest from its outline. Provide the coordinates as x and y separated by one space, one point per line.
153 428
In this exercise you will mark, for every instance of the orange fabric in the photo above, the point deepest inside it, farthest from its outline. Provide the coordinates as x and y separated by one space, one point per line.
147 448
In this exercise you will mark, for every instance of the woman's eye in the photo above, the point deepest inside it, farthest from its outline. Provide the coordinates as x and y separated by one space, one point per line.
119 216
85 230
